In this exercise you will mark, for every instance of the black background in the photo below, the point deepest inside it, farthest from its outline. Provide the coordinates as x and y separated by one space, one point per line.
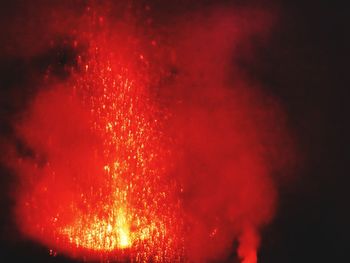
304 65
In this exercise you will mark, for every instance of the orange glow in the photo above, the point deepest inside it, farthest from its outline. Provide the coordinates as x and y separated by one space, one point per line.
114 198
101 235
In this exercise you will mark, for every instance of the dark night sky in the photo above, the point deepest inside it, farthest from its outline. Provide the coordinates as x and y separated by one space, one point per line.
304 65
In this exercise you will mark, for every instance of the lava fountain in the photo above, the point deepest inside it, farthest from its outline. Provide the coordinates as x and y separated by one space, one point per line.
130 161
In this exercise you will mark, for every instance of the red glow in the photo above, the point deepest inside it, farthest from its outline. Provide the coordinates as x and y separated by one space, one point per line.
100 135
124 170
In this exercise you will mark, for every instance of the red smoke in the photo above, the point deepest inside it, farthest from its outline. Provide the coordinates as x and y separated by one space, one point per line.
157 147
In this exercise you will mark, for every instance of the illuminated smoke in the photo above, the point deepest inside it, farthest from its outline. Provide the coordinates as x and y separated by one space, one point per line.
152 149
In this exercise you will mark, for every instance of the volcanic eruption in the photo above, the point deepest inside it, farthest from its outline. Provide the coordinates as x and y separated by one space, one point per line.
156 146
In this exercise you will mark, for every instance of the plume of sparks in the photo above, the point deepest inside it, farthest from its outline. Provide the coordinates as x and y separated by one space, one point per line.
124 208
131 210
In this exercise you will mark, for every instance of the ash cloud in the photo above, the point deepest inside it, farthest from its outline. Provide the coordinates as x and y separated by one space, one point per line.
232 136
